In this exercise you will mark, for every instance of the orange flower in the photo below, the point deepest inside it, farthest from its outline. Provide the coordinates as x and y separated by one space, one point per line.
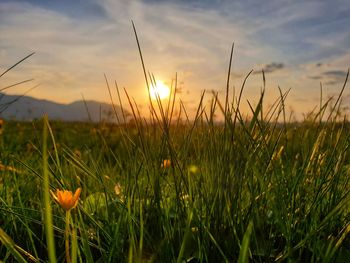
66 199
166 163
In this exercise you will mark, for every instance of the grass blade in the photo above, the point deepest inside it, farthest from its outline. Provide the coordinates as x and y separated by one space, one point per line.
47 202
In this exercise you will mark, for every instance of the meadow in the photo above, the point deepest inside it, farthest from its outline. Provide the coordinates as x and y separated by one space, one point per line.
169 188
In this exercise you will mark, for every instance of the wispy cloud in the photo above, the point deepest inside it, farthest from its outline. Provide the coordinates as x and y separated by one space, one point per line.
271 67
297 44
327 74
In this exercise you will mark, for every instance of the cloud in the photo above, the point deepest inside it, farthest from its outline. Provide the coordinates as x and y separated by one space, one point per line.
315 77
272 67
334 77
335 73
330 77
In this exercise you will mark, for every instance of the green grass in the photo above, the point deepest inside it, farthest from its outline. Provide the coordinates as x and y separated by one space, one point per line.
258 189
262 191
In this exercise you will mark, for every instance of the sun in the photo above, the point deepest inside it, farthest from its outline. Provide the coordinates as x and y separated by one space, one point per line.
159 90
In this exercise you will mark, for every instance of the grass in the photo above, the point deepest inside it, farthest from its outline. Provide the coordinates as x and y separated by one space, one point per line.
261 189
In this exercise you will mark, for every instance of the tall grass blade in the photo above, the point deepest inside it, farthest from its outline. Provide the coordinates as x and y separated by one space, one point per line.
17 63
244 251
10 245
50 239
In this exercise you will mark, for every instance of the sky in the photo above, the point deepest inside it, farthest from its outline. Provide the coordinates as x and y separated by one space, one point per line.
298 44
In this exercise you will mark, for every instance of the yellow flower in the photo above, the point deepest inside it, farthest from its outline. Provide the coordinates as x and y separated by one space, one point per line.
118 189
193 169
194 229
185 197
66 199
119 192
166 163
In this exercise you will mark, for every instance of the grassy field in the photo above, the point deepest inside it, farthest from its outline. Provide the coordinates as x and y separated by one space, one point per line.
171 190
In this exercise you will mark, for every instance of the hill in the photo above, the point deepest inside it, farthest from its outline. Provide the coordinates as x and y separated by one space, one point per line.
26 108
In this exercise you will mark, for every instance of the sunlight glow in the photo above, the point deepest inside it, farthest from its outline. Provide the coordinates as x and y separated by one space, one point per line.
159 90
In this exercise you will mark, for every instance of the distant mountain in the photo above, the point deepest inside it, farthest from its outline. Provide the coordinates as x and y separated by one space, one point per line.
28 108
